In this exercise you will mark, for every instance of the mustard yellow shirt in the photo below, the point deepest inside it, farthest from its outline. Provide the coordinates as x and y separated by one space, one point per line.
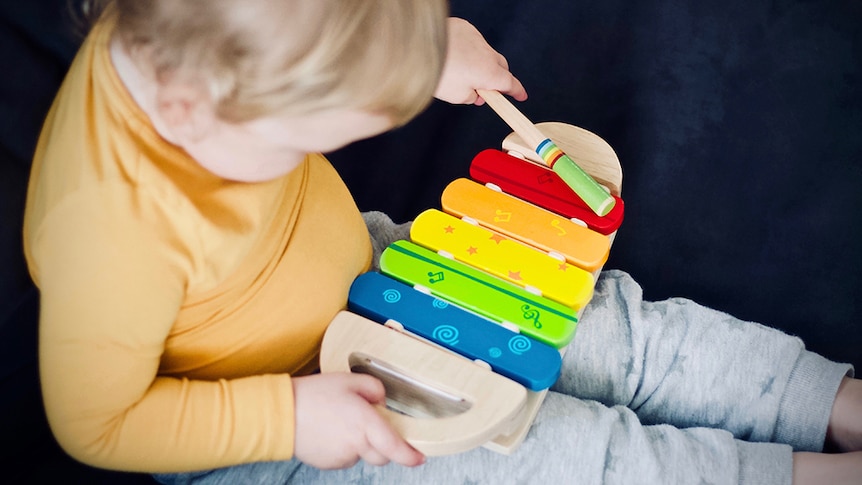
175 305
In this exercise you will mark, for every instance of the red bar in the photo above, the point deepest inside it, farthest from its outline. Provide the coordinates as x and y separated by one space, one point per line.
539 185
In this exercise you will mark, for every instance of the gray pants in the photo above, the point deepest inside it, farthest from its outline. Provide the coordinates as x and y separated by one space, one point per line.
651 392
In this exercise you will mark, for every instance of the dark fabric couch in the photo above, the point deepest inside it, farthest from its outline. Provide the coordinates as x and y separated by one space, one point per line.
738 124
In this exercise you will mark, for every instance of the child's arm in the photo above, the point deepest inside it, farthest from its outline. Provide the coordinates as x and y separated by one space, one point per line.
108 301
472 64
336 423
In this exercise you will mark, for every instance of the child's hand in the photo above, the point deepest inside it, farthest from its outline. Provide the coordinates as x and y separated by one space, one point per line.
472 64
337 424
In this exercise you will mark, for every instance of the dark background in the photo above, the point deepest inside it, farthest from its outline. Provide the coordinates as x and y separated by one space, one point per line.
738 124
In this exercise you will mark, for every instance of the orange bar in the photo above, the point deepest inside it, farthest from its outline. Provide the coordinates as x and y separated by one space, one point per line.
527 223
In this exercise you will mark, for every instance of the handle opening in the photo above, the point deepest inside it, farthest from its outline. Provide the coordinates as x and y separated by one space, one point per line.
408 395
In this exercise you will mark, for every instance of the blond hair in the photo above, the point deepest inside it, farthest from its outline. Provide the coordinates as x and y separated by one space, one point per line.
260 57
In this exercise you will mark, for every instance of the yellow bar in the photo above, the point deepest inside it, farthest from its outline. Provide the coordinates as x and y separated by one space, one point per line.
505 258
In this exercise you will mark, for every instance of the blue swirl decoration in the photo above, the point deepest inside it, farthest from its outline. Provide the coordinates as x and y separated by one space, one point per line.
519 344
440 304
446 334
495 352
391 296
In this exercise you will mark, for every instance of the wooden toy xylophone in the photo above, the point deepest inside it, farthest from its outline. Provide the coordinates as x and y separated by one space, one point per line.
466 323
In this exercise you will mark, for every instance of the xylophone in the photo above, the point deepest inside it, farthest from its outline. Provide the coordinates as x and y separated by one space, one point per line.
466 323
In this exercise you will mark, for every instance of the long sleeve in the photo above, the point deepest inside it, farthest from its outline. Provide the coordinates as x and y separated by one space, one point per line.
109 299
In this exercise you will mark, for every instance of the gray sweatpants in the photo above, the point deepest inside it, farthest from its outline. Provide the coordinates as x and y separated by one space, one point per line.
651 393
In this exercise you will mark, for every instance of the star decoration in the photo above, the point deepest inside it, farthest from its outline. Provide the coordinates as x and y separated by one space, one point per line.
563 267
515 275
472 250
449 229
497 238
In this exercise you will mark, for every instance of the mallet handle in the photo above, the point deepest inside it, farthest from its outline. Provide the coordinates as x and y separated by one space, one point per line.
593 194
516 120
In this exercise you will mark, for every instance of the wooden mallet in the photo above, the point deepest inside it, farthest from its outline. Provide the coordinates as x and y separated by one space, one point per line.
586 187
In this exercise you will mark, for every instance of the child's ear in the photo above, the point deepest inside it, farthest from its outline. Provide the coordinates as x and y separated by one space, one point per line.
186 110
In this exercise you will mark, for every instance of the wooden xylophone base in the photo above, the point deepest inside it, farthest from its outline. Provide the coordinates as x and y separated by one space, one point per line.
441 402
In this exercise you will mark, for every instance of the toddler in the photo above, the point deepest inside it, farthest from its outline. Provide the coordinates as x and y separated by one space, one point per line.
191 245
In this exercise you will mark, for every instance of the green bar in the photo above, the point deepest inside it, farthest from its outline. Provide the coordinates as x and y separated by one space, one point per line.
479 292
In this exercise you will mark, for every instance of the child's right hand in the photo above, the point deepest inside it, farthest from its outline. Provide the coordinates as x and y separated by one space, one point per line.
337 423
472 64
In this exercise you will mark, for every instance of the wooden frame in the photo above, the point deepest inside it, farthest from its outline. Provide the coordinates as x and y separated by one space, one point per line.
440 402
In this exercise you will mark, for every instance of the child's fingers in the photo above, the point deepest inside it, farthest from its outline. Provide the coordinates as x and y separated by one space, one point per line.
508 84
384 443
374 457
514 89
518 90
385 440
369 387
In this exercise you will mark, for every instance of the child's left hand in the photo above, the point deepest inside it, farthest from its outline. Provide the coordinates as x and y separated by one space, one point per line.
472 64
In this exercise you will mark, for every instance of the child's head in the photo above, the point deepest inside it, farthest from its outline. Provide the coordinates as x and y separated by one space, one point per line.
292 57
